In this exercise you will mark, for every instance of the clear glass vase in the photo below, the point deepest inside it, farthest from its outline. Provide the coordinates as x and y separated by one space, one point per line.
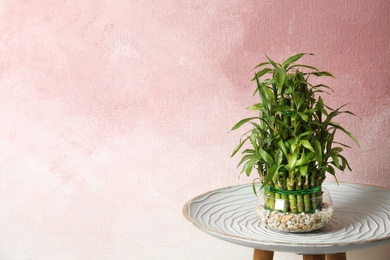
273 214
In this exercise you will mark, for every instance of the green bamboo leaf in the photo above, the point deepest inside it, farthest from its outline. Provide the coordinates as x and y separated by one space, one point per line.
258 106
262 130
270 174
293 59
253 139
320 91
341 167
245 158
293 142
292 160
329 140
248 157
272 62
320 107
303 170
267 82
335 160
336 150
320 74
270 93
263 95
347 146
261 64
310 132
239 146
305 159
345 162
265 156
250 151
262 73
283 109
278 157
248 166
242 122
303 116
331 170
318 151
342 112
322 86
350 113
334 113
282 146
280 76
304 66
329 108
346 132
320 104
254 186
307 145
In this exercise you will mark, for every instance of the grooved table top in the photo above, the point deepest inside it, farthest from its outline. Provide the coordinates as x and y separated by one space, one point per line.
361 219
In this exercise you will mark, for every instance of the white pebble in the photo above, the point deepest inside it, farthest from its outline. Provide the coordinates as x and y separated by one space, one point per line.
298 222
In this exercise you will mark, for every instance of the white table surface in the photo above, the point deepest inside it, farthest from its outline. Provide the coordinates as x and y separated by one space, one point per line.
361 219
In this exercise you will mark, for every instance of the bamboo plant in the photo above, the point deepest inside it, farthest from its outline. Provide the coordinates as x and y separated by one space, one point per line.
292 139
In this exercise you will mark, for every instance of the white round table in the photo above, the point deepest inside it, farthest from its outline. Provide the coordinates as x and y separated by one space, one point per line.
361 219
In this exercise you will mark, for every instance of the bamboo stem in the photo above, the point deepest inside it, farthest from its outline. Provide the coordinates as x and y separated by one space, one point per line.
306 197
299 198
292 198
277 195
271 200
313 196
284 196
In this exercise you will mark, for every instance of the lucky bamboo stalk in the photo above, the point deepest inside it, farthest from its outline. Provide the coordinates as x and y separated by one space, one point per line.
306 197
292 198
271 201
293 134
300 204
285 196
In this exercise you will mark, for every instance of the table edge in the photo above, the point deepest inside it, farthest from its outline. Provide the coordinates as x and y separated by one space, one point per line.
263 244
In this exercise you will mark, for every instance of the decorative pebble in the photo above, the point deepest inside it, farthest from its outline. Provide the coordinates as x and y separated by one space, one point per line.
287 218
298 222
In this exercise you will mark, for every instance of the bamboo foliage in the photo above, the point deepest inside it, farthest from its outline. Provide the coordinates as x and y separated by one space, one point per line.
291 141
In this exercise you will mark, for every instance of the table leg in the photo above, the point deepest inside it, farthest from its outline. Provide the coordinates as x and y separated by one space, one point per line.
314 257
263 255
338 256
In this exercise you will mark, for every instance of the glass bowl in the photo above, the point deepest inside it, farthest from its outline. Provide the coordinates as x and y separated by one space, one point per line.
272 212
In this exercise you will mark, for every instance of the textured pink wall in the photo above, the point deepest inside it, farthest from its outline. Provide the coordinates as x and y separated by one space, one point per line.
114 114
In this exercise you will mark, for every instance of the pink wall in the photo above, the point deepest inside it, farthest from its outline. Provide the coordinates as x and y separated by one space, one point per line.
115 113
